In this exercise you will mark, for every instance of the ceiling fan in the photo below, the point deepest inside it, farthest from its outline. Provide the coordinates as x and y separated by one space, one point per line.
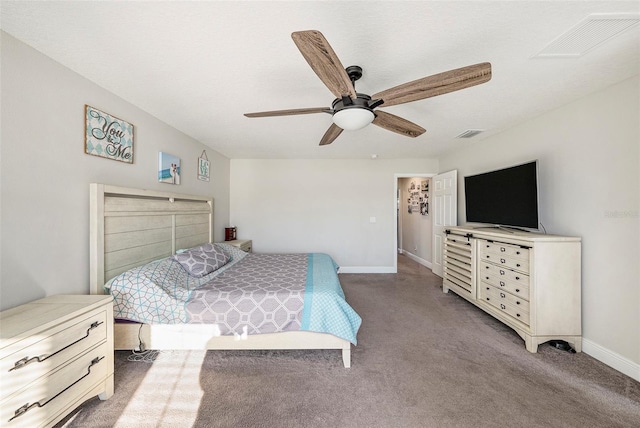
352 110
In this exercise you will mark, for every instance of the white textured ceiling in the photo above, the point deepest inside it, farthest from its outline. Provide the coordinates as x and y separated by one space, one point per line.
199 66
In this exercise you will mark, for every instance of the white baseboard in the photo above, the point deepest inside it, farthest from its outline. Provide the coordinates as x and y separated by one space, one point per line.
415 258
612 359
383 269
367 269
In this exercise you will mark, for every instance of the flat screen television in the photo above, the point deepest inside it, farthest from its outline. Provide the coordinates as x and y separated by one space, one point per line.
504 197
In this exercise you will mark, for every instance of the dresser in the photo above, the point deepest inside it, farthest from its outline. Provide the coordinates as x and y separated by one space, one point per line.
55 353
529 281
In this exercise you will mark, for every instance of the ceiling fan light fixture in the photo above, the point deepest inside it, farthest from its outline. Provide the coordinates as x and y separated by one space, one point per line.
351 119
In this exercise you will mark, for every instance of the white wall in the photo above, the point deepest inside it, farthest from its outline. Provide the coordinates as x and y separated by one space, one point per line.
589 179
416 228
45 173
322 206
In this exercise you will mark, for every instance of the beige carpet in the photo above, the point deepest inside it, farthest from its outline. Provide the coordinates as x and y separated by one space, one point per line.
424 359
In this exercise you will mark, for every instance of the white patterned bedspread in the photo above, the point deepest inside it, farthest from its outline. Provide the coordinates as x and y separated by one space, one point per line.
264 292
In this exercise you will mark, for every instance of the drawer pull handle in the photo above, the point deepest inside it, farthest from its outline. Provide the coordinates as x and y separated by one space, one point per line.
502 284
502 273
487 277
518 264
503 261
502 306
517 290
503 295
518 315
26 360
517 302
488 298
517 278
502 249
28 406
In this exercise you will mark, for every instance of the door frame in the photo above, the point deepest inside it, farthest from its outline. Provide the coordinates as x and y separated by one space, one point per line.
396 208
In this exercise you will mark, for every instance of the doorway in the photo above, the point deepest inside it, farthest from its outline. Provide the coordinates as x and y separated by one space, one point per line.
413 229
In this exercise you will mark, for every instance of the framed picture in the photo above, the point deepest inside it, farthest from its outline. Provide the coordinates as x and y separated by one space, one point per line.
168 168
107 136
203 167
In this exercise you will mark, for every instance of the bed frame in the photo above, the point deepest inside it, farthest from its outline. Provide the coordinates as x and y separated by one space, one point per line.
131 227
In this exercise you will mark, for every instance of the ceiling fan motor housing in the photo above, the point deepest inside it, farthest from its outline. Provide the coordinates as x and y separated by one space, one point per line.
347 102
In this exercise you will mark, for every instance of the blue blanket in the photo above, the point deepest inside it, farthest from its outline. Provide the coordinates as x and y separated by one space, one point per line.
325 308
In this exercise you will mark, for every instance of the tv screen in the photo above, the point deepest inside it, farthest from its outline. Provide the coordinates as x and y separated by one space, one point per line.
505 197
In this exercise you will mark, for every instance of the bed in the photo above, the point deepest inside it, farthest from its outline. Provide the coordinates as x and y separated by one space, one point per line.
135 236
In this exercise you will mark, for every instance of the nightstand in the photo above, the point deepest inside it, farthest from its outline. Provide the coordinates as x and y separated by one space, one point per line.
244 244
55 353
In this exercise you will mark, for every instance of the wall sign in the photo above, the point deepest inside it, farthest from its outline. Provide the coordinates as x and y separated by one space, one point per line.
203 167
107 136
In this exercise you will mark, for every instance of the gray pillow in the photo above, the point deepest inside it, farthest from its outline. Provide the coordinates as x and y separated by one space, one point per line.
203 260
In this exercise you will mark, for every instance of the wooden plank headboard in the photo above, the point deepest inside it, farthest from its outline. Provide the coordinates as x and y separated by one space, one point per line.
131 227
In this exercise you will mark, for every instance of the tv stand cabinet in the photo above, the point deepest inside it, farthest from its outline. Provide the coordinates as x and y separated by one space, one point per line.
529 281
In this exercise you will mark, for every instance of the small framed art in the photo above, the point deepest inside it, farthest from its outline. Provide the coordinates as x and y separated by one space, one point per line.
168 168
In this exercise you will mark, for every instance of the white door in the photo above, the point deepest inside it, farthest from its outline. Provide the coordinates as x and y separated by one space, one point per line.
445 213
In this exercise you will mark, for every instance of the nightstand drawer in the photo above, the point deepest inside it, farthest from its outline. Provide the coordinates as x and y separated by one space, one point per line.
42 400
37 359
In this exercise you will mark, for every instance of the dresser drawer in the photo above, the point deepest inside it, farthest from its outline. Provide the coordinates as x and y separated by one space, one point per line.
502 296
493 297
506 261
507 255
515 283
500 248
42 400
57 346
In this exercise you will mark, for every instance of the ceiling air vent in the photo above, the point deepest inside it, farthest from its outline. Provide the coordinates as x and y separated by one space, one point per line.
470 133
587 34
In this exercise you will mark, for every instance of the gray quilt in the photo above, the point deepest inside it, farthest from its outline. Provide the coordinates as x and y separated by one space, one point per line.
263 293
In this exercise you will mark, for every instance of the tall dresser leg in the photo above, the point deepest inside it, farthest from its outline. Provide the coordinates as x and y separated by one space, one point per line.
531 344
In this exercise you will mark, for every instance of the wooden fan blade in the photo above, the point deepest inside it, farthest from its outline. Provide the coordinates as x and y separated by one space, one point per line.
438 84
397 124
324 62
332 133
289 112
